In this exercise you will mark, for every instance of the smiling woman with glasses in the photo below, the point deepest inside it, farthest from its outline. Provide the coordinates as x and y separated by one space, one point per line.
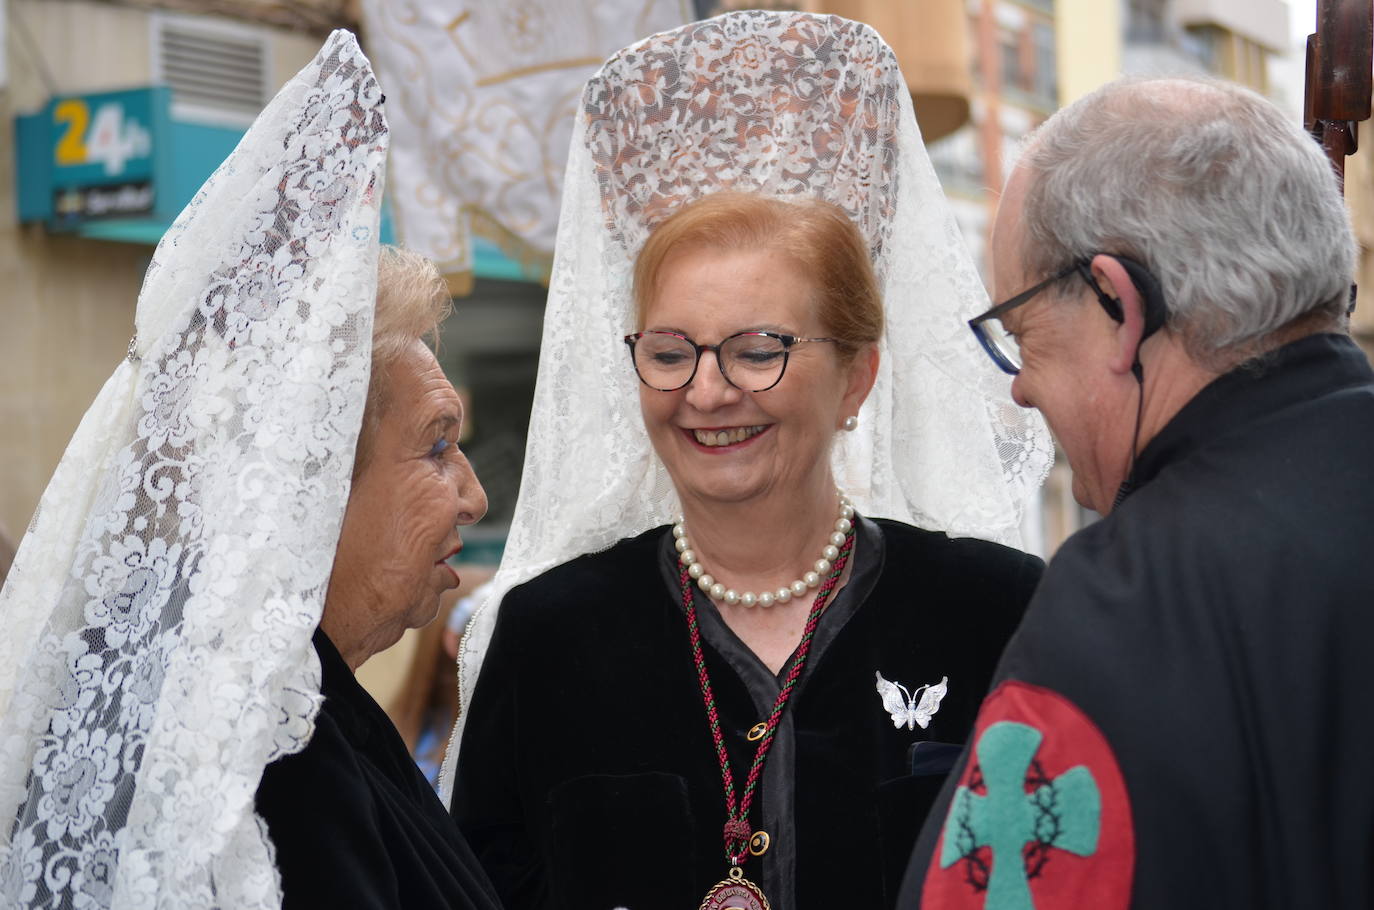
715 677
758 343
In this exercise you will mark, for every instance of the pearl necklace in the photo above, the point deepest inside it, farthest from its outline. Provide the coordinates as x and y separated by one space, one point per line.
812 579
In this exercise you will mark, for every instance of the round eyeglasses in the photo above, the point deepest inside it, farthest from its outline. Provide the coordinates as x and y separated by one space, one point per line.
749 361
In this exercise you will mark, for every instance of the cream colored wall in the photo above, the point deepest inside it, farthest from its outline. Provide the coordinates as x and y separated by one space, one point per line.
1088 36
67 304
1359 196
290 53
87 47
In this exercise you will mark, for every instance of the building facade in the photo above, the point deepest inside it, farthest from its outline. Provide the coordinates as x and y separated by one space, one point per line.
983 73
1032 56
69 278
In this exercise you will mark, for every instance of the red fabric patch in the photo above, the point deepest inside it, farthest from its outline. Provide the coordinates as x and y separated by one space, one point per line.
1059 797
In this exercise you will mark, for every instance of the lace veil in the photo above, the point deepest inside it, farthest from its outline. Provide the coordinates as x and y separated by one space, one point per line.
158 616
784 104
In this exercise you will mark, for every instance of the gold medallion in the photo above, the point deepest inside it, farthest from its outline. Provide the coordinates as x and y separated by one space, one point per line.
735 893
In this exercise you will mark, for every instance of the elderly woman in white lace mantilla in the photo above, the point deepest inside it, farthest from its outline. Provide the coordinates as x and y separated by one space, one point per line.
221 547
748 689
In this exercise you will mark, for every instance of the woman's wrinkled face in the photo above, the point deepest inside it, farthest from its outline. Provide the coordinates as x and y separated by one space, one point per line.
405 508
719 443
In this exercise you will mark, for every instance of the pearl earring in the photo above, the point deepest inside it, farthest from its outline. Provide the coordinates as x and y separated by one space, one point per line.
851 423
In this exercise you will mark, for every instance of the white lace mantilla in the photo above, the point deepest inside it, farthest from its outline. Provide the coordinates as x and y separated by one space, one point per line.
158 616
788 105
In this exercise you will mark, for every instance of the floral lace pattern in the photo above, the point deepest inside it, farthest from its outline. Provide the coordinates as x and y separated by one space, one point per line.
166 593
784 104
771 103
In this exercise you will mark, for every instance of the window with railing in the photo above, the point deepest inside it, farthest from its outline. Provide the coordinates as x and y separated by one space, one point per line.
1145 21
1202 43
1029 66
1045 81
1009 52
958 162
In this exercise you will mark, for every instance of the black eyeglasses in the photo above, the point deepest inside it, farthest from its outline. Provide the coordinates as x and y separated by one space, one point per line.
1000 345
749 361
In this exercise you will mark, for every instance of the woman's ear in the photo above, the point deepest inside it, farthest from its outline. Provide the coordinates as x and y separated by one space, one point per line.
863 372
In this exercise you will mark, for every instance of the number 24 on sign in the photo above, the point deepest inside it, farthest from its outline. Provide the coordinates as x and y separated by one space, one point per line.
106 138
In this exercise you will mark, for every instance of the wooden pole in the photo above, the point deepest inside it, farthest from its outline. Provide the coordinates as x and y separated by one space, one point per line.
1339 67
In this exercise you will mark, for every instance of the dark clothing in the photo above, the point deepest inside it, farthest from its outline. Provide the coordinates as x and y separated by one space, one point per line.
588 778
1215 629
354 822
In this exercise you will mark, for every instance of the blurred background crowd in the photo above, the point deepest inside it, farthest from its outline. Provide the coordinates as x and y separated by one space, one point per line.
112 113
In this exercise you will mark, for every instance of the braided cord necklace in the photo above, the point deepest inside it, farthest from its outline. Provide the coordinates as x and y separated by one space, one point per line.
737 891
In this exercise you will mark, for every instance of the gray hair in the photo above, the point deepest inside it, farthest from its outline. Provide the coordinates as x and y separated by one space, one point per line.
412 300
1229 204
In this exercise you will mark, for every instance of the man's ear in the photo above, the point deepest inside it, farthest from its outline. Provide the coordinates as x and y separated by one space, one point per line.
1116 283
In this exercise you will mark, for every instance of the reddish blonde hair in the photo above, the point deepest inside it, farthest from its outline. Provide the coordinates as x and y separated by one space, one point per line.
816 235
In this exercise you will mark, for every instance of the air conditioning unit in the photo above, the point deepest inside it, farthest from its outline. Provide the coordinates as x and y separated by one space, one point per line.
219 72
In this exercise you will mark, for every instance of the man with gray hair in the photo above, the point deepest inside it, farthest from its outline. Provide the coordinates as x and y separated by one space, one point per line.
1184 717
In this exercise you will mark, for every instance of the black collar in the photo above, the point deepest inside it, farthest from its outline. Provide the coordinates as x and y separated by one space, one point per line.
346 698
1290 375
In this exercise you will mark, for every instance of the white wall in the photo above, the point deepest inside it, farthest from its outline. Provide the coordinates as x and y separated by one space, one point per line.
1264 22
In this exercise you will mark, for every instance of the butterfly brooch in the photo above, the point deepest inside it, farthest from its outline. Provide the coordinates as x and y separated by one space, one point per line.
904 707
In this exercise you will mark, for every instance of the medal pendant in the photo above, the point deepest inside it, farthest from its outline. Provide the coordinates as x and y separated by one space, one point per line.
735 893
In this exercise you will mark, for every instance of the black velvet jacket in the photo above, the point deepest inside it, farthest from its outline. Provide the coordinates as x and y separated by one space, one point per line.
354 822
587 776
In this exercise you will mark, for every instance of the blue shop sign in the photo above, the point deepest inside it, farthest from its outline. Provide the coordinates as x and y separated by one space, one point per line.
119 166
97 157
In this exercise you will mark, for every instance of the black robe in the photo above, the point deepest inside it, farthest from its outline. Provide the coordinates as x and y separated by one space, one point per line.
587 776
1204 652
354 822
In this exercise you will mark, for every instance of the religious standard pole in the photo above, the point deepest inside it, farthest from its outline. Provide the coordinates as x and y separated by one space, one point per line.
1339 66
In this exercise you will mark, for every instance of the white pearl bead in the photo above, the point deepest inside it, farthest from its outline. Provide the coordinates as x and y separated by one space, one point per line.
822 567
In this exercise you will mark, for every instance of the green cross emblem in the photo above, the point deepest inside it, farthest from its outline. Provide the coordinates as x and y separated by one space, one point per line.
1063 813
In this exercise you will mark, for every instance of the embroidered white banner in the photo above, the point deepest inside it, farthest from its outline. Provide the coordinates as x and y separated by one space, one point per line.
481 97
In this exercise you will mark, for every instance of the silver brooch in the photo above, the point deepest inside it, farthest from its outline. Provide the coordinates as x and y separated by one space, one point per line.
904 707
